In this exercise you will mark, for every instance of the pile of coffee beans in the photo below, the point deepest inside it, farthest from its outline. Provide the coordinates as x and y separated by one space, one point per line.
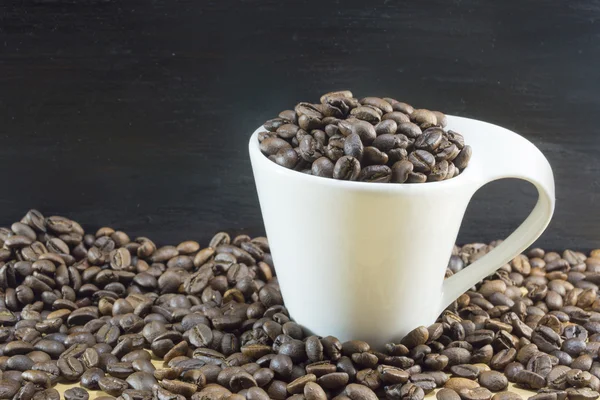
96 308
370 140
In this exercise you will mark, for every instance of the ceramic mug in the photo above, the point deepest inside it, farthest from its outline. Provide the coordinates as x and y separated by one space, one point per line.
367 261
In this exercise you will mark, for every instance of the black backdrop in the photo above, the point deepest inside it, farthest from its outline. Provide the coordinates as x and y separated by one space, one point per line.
136 113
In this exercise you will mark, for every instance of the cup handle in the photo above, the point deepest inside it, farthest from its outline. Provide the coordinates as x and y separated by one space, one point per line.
509 156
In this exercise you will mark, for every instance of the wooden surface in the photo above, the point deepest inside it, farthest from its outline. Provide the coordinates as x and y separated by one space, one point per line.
136 113
158 364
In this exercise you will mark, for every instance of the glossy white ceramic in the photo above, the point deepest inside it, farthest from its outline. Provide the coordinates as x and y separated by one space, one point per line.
367 261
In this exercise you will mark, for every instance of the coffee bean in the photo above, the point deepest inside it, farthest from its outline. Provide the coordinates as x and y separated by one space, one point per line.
447 394
333 380
332 347
578 378
493 380
436 362
506 396
90 378
582 394
282 366
19 363
546 339
359 392
462 159
120 370
457 355
179 387
583 362
70 368
111 385
424 118
8 388
465 371
298 385
26 392
323 167
76 394
346 168
354 346
503 358
353 146
375 173
430 140
540 363
457 384
312 391
530 379
401 171
48 394
422 161
38 378
557 378
479 393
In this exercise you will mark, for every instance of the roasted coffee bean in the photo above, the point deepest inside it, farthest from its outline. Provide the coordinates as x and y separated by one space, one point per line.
312 391
38 378
272 145
19 363
282 366
424 381
179 387
76 393
530 380
540 363
512 369
91 377
70 368
422 161
111 385
462 159
457 384
346 168
353 146
48 394
479 393
504 357
457 355
465 371
557 378
333 380
375 173
359 392
581 394
323 167
120 370
578 378
436 362
493 380
416 337
447 394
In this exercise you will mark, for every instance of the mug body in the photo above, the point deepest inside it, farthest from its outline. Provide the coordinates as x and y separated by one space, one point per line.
359 260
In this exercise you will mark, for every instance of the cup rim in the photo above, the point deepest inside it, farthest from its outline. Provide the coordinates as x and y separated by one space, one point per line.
466 177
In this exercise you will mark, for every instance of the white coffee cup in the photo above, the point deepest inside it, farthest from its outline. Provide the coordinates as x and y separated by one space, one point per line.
361 260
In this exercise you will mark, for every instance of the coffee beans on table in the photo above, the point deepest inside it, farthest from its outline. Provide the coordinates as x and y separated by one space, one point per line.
93 308
369 140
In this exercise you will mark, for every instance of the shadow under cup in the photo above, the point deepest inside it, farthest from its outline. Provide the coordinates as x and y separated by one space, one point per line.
359 260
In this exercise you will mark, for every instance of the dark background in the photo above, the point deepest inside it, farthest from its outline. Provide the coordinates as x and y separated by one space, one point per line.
136 113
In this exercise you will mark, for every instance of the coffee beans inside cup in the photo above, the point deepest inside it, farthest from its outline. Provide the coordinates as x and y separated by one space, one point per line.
93 308
369 140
